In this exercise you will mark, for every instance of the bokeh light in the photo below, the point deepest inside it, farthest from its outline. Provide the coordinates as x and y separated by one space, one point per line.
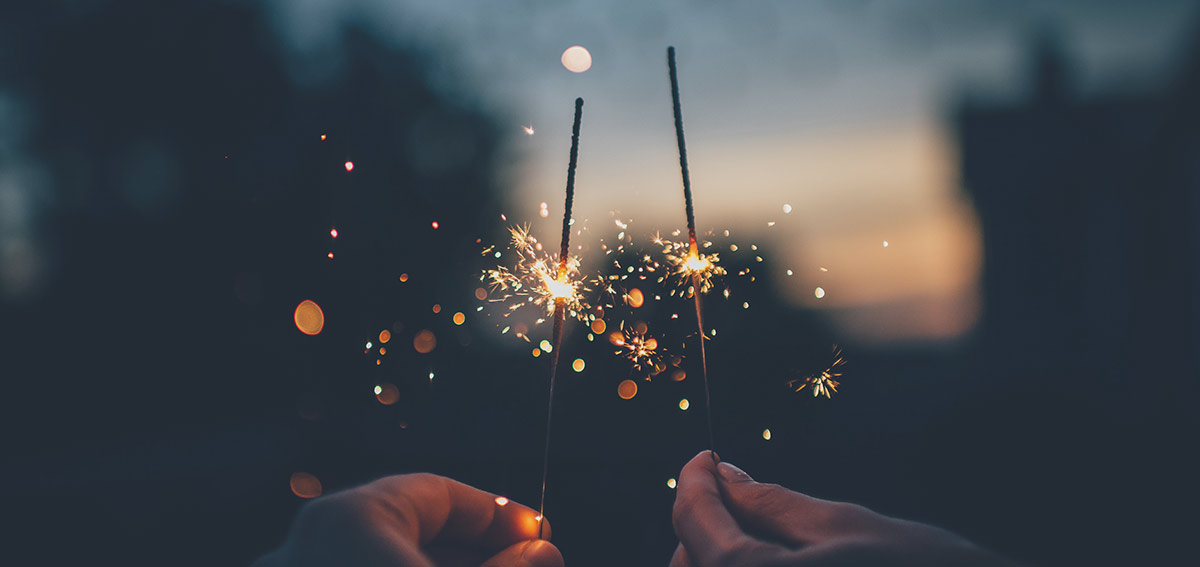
670 483
501 501
349 166
309 318
577 59
684 404
385 336
305 485
578 365
819 292
635 298
425 341
459 318
627 389
387 393
598 326
767 434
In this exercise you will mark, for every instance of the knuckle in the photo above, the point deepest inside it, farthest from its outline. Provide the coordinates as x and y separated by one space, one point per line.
740 552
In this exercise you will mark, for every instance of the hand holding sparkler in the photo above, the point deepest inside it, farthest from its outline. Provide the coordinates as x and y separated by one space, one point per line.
723 517
418 520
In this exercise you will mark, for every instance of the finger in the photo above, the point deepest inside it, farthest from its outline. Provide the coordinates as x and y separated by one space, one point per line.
533 553
705 527
680 558
428 507
774 512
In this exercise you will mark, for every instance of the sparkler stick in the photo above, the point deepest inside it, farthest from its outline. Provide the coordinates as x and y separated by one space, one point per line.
693 250
560 303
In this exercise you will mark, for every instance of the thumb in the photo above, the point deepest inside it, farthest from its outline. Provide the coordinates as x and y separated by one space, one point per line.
772 511
532 553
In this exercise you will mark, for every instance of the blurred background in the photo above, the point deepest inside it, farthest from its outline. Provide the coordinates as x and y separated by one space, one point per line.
990 206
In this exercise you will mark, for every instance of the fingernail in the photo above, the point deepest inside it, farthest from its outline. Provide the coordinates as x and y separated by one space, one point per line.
540 553
731 473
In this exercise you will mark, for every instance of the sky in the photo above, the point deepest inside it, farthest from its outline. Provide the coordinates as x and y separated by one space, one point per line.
838 109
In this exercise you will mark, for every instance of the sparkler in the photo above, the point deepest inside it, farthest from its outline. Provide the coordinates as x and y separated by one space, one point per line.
563 293
698 267
539 279
824 382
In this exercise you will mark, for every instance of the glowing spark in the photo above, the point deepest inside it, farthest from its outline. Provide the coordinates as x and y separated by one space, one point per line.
333 232
819 292
684 404
349 166
670 483
690 270
885 244
536 279
322 137
642 351
330 255
501 501
787 208
528 129
434 224
824 383
767 434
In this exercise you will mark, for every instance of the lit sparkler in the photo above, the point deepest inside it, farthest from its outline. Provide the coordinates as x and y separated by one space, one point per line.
538 279
691 271
694 265
562 291
824 383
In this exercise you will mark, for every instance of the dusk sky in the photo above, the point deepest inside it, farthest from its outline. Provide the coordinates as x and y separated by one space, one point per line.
839 109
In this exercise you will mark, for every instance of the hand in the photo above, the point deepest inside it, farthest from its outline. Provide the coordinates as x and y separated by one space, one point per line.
414 520
724 518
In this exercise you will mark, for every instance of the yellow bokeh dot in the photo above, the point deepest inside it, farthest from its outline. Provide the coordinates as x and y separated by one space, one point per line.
598 326
684 404
537 352
767 434
385 336
670 483
305 485
309 318
578 365
545 345
627 389
425 341
382 350
459 318
403 277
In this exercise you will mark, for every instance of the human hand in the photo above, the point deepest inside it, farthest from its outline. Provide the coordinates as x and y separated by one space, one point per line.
724 518
414 520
